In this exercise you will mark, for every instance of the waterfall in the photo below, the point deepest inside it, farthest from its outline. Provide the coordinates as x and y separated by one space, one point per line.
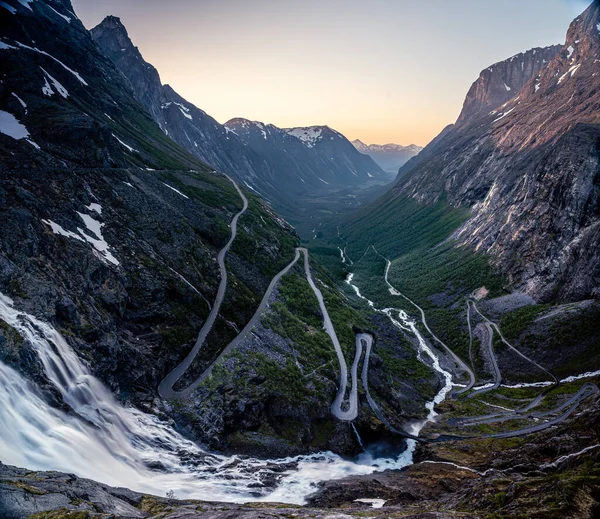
100 439
359 439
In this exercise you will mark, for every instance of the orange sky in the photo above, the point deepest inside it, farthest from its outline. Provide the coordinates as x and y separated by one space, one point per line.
378 70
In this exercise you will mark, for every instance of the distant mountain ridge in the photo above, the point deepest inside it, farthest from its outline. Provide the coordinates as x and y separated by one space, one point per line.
278 164
390 157
315 156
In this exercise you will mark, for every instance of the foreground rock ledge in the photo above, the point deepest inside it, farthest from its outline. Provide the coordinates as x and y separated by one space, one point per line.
53 495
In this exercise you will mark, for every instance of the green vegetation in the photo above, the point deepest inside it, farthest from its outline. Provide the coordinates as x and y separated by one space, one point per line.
61 514
151 505
330 258
28 488
410 370
427 267
211 190
514 323
574 333
447 271
397 225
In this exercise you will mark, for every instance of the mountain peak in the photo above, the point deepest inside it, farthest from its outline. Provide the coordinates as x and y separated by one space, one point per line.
111 28
583 36
587 23
501 81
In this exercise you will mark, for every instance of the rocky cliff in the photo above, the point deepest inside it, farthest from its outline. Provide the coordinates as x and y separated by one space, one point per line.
528 168
190 127
502 81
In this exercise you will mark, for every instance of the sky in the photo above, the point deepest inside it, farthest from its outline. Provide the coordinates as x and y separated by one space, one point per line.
378 70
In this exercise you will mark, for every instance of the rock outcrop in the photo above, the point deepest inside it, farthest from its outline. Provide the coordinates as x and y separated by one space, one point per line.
502 81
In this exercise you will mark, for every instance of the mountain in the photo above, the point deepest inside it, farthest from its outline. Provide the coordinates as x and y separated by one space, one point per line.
275 163
390 157
91 117
190 127
162 329
502 81
526 170
119 249
314 157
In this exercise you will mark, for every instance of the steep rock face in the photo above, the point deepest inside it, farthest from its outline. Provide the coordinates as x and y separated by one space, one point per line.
390 157
64 104
529 170
190 127
500 82
111 36
312 157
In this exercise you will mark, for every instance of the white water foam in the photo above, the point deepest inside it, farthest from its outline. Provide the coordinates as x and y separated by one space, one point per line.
100 439
403 322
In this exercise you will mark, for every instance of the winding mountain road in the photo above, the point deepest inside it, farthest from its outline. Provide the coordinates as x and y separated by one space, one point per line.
165 389
576 400
368 341
494 362
585 391
336 408
522 355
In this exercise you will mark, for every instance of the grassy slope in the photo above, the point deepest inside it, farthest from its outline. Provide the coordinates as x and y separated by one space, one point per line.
424 262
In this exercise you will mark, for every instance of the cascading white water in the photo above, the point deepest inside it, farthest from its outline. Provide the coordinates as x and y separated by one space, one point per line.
100 439
403 322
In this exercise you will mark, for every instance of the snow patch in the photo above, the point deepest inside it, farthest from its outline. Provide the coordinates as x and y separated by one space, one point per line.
126 145
57 229
94 207
9 8
65 18
176 190
59 88
504 115
508 89
6 46
570 73
570 51
20 101
99 243
25 3
9 125
34 49
47 89
375 503
185 111
186 115
309 136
